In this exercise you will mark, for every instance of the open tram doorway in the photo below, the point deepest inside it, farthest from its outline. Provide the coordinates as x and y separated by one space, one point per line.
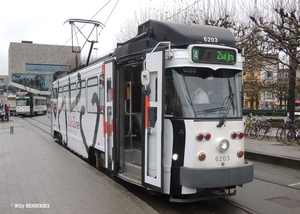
132 105
129 108
139 121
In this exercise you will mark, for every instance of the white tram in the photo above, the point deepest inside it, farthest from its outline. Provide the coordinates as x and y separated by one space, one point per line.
28 104
132 111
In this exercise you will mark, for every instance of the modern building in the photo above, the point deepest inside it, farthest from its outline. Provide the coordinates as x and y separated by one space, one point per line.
31 66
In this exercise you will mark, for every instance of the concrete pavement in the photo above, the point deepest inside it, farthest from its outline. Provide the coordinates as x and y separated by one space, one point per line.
38 176
269 150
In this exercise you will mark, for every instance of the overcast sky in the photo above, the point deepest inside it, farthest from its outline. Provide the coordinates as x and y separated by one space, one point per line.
42 22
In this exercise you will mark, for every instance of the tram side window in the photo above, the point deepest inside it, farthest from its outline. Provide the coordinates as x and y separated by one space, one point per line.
54 93
43 102
40 101
66 97
92 97
101 91
109 86
73 96
81 90
60 97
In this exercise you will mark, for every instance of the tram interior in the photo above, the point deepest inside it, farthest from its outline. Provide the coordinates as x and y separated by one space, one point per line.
133 102
131 142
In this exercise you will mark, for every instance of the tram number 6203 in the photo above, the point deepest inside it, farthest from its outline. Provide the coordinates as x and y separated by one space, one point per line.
222 158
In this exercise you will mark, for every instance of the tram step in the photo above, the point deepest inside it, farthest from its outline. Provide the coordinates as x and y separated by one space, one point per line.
130 178
133 168
133 155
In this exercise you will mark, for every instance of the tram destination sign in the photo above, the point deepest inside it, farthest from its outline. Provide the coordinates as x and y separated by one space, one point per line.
213 55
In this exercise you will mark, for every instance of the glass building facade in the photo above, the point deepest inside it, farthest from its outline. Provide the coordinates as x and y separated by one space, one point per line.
31 66
46 68
41 82
38 81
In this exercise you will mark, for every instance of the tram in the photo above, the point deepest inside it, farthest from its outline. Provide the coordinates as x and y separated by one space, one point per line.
28 104
132 112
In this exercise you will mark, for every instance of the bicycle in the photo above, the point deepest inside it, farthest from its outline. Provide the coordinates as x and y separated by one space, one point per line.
264 129
284 126
248 123
298 136
288 136
254 129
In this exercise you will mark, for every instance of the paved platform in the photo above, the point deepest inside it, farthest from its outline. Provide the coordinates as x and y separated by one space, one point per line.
38 176
269 150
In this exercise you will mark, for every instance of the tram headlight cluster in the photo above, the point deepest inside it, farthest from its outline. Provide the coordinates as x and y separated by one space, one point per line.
200 136
235 135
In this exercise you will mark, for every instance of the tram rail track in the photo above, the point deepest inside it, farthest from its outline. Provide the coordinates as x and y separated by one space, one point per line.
41 125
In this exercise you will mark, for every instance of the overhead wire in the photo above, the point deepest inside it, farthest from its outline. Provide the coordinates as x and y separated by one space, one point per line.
182 10
109 16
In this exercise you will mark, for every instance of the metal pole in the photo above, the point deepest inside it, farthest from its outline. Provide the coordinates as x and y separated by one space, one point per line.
11 129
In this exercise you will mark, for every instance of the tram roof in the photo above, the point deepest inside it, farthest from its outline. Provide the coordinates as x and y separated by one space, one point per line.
24 93
152 32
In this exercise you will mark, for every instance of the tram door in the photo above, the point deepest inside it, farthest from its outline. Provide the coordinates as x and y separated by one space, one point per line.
152 137
108 121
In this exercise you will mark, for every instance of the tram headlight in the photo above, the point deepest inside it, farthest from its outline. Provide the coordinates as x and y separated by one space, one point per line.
207 136
175 157
240 153
240 135
199 136
223 145
233 135
201 156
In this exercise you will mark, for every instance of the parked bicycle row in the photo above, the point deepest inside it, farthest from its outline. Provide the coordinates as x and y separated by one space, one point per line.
257 127
289 132
261 127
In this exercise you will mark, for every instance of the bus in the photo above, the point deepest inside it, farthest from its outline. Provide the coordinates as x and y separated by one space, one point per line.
132 112
28 104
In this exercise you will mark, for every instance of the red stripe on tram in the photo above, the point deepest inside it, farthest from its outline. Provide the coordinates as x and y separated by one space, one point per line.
147 106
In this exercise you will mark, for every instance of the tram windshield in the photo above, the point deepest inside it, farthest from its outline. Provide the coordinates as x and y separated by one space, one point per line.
202 92
22 101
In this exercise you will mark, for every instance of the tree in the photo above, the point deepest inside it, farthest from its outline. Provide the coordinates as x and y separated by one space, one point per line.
281 34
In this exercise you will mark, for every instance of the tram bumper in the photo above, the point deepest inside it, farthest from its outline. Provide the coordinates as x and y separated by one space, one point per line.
217 177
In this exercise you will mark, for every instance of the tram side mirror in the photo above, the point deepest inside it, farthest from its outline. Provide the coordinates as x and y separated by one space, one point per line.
145 79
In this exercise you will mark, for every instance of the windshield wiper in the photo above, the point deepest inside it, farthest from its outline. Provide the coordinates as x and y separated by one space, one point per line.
210 110
191 103
226 105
